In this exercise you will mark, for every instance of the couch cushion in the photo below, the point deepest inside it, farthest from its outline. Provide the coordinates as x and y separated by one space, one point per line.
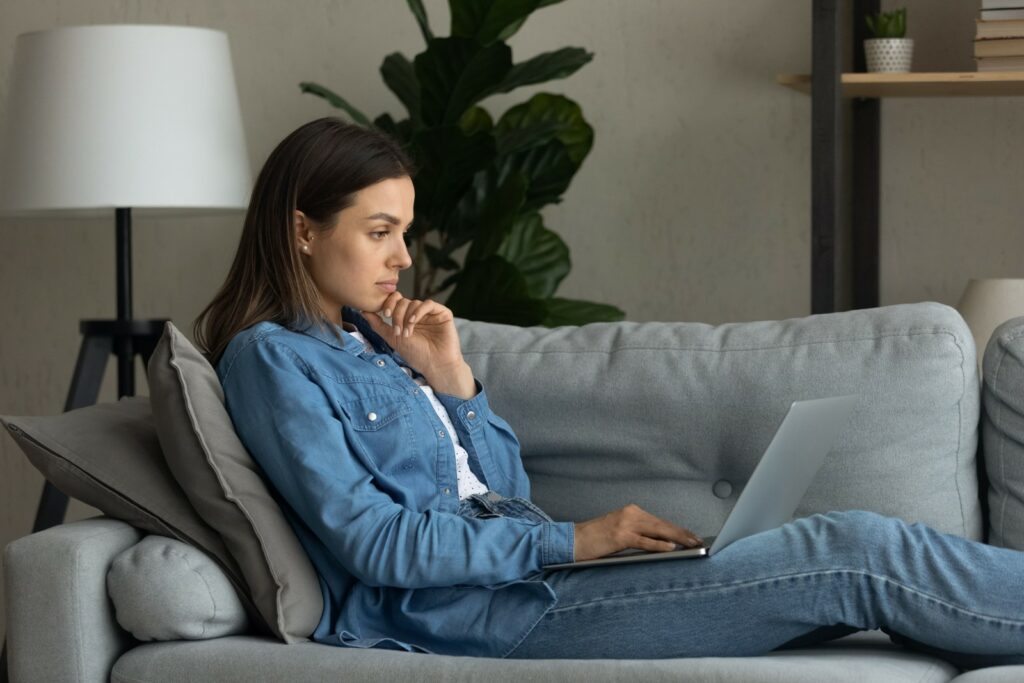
1002 432
163 589
108 455
227 487
674 416
236 658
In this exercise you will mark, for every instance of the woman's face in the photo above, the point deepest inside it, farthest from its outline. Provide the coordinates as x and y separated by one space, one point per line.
365 248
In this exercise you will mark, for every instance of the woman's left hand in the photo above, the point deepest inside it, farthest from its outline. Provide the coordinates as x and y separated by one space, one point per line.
423 332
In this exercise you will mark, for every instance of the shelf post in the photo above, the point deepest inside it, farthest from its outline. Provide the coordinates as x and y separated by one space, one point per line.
826 130
864 207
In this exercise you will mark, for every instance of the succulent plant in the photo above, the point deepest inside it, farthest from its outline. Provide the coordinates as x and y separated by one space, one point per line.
888 24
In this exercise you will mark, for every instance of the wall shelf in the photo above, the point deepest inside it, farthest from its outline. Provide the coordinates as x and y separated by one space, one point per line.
919 84
841 153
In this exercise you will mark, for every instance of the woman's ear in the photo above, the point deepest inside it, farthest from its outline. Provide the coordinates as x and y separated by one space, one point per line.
300 228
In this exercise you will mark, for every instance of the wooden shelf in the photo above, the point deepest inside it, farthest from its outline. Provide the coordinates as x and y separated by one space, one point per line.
920 84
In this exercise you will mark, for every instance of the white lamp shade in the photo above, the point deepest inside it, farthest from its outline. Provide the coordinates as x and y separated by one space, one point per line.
100 117
988 303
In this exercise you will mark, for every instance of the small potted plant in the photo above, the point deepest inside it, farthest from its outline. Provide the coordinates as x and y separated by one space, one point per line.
889 50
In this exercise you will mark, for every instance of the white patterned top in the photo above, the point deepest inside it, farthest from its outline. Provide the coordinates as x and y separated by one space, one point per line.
468 482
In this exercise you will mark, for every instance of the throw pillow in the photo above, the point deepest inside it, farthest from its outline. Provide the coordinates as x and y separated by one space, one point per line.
1002 432
163 589
108 455
227 488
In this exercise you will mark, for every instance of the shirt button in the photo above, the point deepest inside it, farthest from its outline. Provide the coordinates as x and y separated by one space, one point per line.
415 391
371 416
471 415
440 433
446 491
380 362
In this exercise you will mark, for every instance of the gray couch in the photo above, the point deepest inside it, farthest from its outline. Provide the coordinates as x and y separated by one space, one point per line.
671 416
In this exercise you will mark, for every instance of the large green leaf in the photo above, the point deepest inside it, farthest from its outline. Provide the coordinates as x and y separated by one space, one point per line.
511 29
544 111
497 217
400 77
455 73
460 225
488 20
335 100
538 253
448 159
493 290
578 312
420 12
401 131
476 119
547 139
545 67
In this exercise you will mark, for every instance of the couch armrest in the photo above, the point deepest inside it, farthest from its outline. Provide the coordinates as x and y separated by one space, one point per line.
60 621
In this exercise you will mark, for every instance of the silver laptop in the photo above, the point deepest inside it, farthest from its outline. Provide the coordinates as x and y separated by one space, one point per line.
774 490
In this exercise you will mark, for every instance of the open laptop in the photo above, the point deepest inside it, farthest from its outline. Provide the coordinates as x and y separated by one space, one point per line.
774 490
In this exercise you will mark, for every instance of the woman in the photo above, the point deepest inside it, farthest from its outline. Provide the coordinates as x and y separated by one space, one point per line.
409 495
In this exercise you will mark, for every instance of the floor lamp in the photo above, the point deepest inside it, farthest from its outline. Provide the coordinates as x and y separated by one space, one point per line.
110 118
986 304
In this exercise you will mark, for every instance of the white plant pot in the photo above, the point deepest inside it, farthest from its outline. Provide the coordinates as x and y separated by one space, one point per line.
889 54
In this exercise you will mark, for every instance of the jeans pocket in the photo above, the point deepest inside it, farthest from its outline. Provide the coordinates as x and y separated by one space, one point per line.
480 507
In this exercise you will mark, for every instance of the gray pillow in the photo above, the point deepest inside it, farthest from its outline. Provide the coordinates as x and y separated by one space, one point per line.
226 487
108 455
1002 432
163 589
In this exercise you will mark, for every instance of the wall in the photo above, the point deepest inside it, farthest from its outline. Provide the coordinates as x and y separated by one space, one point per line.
694 203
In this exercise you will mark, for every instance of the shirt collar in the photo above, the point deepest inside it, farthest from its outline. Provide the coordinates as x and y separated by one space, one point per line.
351 343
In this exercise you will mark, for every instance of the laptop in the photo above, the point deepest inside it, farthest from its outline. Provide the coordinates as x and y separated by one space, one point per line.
774 490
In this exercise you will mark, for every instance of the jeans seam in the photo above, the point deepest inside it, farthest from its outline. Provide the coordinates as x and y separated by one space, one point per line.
739 584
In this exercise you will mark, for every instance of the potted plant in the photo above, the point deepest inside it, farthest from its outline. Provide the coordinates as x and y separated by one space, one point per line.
889 50
482 181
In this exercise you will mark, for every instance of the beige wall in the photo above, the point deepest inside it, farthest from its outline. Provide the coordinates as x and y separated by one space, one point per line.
694 203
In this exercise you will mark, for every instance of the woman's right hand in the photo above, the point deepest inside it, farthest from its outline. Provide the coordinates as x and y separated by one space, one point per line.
628 527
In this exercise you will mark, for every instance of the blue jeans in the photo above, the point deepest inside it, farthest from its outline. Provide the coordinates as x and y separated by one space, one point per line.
814 579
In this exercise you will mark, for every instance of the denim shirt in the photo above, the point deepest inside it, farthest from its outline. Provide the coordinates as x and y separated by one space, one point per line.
365 474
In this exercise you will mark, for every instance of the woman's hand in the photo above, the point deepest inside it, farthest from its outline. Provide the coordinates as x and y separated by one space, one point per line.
628 527
423 332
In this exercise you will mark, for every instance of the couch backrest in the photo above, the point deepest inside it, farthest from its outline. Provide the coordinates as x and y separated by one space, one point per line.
674 416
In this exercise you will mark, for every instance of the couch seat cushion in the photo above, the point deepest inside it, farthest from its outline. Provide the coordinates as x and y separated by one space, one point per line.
242 658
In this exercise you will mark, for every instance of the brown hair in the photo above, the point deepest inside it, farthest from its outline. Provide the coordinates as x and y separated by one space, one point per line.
317 169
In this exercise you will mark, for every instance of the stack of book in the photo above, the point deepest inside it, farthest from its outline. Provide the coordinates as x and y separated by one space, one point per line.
999 36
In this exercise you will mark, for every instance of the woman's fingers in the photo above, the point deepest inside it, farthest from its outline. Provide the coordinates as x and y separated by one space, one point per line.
414 312
389 304
421 310
652 544
398 315
662 529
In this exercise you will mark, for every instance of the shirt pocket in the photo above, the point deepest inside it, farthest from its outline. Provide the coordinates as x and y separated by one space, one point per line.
380 426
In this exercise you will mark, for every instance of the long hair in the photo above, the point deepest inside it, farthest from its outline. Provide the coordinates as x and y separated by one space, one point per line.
317 169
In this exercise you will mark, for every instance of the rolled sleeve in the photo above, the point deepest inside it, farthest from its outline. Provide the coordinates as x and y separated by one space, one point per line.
559 542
